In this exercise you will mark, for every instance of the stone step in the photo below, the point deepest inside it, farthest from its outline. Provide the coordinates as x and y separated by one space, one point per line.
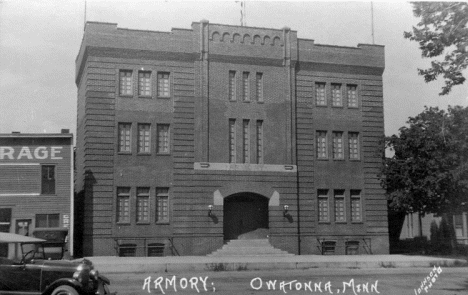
254 247
251 250
261 242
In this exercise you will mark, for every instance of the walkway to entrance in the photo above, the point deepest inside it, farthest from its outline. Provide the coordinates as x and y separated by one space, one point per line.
245 216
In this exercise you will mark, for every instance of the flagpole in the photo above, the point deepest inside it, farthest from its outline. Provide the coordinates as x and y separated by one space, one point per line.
84 15
372 21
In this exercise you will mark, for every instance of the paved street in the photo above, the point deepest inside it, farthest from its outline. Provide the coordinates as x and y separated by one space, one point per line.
391 281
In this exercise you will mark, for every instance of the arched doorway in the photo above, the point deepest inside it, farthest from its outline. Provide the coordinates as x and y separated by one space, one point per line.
244 213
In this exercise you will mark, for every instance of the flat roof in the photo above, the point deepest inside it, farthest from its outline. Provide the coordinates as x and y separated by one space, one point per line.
36 135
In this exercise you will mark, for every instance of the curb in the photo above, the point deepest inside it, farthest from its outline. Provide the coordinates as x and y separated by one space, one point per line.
109 265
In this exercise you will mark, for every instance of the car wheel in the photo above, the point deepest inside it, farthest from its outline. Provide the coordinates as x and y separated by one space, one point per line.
64 290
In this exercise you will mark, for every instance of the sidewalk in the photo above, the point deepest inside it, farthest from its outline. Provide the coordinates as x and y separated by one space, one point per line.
112 264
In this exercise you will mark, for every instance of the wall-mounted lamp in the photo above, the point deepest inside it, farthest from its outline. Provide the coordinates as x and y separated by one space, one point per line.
210 208
285 210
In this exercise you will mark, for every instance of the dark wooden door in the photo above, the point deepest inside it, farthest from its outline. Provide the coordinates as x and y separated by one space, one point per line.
244 213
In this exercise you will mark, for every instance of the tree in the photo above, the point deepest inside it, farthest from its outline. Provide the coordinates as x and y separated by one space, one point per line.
443 28
428 172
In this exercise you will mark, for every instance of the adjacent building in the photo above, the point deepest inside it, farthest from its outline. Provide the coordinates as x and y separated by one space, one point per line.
416 226
189 138
36 186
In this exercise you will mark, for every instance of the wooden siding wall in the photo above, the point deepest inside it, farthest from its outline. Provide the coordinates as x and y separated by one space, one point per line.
26 179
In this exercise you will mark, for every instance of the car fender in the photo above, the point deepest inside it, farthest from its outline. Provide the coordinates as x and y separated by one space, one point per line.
70 282
104 279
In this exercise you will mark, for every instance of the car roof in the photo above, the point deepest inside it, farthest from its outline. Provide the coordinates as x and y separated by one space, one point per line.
14 238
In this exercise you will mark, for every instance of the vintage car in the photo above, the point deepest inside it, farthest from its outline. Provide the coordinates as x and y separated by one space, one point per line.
27 270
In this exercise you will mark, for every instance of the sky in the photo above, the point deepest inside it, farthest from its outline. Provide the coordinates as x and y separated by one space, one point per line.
39 42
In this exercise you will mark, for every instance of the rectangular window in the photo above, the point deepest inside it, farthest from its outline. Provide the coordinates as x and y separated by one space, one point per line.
259 86
232 85
337 97
125 82
232 140
142 201
356 212
340 215
259 142
245 86
125 136
144 138
337 145
164 85
47 220
246 140
352 96
162 204
163 139
48 180
322 152
353 145
144 83
320 97
123 205
322 197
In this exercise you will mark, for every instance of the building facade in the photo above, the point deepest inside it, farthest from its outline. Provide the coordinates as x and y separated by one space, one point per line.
36 186
192 137
416 226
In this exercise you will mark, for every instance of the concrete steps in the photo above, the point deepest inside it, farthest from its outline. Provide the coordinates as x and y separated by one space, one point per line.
251 247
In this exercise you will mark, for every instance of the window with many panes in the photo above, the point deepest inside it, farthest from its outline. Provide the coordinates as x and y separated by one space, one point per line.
245 86
126 82
48 179
356 211
162 204
232 140
163 139
321 139
123 205
352 96
47 220
320 97
164 84
125 137
337 97
142 205
232 85
144 138
323 208
259 87
337 144
246 140
353 145
259 142
340 211
144 83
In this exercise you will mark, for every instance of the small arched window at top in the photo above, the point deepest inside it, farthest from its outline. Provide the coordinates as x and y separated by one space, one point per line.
276 41
216 37
247 39
226 37
257 40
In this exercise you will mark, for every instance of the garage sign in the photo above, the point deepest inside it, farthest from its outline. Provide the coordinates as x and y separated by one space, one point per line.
31 153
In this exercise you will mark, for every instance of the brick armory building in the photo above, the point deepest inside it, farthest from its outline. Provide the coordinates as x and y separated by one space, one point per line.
36 186
192 137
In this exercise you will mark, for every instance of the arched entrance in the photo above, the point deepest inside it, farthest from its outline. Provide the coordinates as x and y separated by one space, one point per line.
244 213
